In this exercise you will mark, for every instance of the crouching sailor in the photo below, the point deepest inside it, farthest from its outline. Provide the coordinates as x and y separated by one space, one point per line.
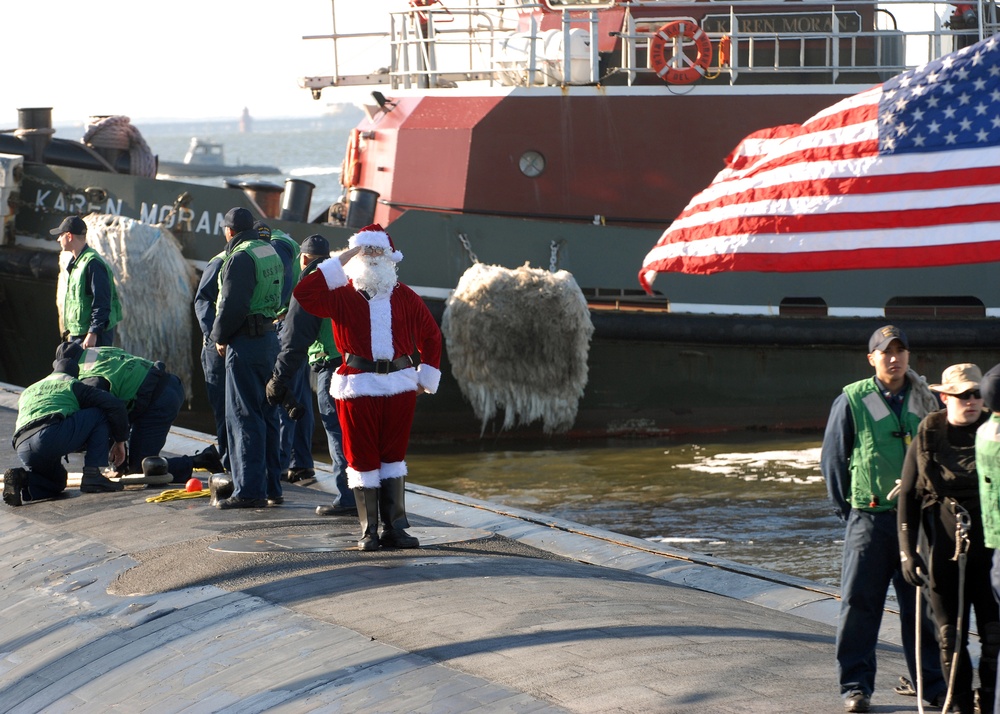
60 415
153 397
378 325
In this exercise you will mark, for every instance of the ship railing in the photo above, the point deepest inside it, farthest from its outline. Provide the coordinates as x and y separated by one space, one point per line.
473 38
445 45
838 54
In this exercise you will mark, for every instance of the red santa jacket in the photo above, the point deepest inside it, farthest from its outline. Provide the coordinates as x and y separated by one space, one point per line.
385 327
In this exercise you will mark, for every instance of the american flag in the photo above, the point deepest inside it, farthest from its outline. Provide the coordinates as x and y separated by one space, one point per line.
906 174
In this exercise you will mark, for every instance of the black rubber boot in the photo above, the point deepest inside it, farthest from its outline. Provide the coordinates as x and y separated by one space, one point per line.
94 482
393 505
367 499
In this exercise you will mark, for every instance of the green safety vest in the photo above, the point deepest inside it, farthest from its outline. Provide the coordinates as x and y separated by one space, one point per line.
880 442
988 466
324 348
125 372
51 395
266 298
77 304
278 234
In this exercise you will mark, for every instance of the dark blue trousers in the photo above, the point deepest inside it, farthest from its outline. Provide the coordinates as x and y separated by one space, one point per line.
296 436
871 563
41 453
251 423
334 436
214 367
105 339
151 426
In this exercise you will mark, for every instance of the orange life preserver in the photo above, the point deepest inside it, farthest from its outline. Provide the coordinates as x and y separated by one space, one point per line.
725 50
663 65
350 170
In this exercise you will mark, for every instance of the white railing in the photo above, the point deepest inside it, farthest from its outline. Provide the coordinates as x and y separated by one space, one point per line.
444 45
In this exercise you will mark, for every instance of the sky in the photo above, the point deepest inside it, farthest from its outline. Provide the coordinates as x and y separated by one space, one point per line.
180 59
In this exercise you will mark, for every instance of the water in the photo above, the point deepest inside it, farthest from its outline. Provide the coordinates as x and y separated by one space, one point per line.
311 149
756 499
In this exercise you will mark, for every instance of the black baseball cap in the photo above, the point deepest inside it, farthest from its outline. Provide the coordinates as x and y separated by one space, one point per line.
67 366
316 245
70 224
263 230
883 336
239 219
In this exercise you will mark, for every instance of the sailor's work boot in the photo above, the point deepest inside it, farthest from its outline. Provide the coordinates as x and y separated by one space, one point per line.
209 459
13 481
94 482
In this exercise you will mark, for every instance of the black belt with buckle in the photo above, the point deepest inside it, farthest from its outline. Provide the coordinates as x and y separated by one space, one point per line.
380 366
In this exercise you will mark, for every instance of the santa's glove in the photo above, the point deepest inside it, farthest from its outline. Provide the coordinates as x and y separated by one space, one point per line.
275 391
912 565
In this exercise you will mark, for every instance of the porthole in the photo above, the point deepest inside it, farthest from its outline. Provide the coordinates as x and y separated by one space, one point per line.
532 164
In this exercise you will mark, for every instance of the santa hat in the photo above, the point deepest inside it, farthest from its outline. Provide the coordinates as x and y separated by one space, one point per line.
375 235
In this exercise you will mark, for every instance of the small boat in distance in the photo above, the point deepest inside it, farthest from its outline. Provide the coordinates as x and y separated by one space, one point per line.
206 158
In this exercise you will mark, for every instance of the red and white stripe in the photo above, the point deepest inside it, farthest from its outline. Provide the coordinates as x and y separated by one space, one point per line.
820 197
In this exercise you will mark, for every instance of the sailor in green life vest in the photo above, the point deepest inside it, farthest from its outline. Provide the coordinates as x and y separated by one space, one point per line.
153 397
61 415
91 308
939 508
295 434
288 250
307 342
870 426
250 288
988 467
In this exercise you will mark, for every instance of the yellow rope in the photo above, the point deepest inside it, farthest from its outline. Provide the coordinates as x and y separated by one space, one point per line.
177 494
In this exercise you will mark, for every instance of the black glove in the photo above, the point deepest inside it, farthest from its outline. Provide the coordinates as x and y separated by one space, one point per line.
914 570
275 392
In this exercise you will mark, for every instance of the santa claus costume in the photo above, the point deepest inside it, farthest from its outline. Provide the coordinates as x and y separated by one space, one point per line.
379 325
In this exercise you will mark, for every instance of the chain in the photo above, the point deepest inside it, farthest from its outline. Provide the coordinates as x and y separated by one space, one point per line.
468 248
554 247
963 524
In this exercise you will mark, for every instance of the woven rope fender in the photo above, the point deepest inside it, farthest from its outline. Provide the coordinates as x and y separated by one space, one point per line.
117 132
518 341
155 285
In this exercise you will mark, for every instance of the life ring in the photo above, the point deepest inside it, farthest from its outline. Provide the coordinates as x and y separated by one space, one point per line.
350 171
660 46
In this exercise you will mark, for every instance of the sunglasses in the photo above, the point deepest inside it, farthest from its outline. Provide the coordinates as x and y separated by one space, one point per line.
971 394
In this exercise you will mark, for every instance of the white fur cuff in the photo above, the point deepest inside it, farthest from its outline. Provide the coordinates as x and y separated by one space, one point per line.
396 469
362 479
334 273
428 377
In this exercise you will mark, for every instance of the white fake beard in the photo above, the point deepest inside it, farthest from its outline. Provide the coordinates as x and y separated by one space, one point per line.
375 274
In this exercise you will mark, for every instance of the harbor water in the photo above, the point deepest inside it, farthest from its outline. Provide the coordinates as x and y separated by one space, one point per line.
753 498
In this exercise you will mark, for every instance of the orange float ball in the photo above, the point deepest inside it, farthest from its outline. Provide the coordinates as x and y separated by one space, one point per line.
193 485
